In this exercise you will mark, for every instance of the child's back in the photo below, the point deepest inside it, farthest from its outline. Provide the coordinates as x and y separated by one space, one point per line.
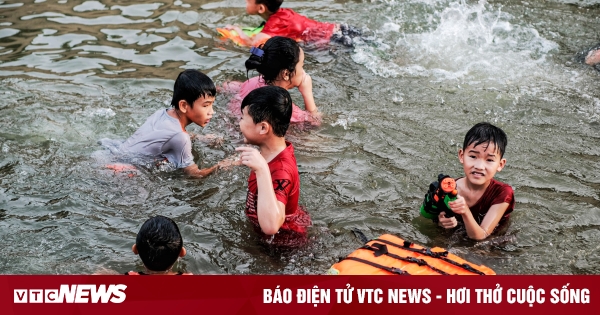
162 136
285 22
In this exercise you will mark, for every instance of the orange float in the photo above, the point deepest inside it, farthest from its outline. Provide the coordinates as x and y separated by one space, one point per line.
391 255
235 37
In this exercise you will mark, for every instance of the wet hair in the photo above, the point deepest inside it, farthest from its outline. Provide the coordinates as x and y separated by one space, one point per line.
159 243
190 85
484 132
272 5
280 53
272 104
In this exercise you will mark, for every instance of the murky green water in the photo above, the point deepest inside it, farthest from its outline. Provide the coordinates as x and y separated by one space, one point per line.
395 111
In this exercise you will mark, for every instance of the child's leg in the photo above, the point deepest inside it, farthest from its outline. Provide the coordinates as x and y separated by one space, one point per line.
593 57
347 35
125 169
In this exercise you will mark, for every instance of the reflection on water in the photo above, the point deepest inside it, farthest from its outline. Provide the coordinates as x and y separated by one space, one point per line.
396 111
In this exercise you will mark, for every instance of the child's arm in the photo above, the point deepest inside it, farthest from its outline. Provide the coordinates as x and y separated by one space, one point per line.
259 38
250 41
446 223
305 89
270 211
489 223
194 171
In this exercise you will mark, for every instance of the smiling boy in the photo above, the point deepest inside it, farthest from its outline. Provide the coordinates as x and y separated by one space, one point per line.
274 182
163 135
482 202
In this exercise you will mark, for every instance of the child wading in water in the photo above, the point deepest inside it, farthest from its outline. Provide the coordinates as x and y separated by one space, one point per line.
163 135
274 182
483 204
159 244
280 63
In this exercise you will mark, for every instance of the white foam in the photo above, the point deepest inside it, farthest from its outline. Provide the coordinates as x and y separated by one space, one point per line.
470 42
581 3
99 112
344 122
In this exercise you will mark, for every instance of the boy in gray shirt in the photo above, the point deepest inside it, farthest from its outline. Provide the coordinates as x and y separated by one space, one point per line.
164 135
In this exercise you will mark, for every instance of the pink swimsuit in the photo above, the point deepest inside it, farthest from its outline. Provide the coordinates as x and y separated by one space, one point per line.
242 89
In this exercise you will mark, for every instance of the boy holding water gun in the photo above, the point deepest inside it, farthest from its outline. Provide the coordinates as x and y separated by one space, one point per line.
477 200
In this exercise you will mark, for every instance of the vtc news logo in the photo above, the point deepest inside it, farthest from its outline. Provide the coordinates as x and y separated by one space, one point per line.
74 293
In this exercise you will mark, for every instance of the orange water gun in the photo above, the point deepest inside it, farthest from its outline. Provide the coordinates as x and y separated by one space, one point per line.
438 196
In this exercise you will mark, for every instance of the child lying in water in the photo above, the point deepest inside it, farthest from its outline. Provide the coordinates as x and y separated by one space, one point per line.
287 23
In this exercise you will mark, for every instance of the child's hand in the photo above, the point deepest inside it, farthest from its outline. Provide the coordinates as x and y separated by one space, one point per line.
250 41
316 117
229 162
305 84
459 206
252 158
305 89
447 223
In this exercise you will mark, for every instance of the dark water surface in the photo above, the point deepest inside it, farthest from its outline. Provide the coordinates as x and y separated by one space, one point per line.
395 112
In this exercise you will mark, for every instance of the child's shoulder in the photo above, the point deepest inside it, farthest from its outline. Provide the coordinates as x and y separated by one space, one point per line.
284 11
285 14
159 113
500 184
498 190
251 85
285 161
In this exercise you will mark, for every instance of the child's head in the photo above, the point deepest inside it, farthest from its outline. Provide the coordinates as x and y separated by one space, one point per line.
266 111
193 95
159 243
282 60
482 154
261 6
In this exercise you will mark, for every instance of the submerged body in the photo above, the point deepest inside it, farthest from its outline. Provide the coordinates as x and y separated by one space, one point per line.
239 90
286 180
162 136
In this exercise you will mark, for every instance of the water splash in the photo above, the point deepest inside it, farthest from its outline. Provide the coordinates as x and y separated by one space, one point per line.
470 42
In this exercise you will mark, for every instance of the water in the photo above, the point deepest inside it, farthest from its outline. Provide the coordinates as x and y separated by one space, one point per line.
395 112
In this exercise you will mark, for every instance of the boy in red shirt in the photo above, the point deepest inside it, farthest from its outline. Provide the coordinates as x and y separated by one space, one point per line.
287 23
274 182
483 203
